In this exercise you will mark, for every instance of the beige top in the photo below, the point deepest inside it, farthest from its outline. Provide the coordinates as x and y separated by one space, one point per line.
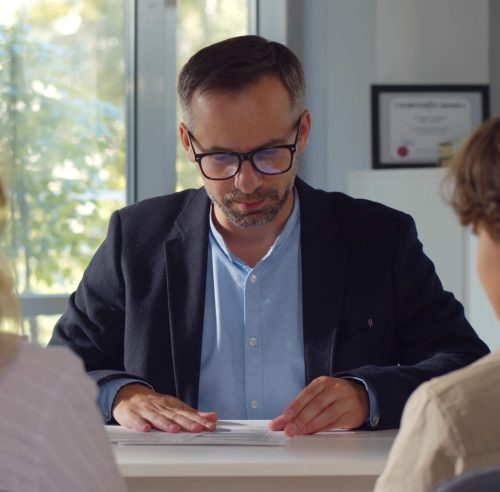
451 424
51 433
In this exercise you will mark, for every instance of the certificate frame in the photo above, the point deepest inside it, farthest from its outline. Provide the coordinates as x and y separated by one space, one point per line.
411 122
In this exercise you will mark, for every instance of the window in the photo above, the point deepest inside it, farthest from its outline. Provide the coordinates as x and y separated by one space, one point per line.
62 141
67 126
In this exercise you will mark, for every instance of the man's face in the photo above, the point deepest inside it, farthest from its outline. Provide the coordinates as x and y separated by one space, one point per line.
256 117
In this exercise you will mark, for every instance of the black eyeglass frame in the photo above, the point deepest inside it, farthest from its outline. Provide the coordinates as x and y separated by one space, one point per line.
246 156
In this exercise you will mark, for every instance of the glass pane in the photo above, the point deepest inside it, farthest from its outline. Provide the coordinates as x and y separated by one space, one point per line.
200 23
39 328
62 134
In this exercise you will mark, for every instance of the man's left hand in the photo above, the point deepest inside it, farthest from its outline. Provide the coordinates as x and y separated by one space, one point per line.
326 403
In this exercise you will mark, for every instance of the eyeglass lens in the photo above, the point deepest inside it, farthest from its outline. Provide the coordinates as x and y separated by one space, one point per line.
267 161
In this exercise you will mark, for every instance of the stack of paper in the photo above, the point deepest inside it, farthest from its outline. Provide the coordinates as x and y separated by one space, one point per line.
226 434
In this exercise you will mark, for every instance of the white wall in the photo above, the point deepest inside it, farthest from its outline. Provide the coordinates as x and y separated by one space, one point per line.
432 41
336 41
351 66
494 29
307 34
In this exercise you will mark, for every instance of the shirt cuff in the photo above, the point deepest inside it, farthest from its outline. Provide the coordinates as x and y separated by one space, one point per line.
107 394
374 415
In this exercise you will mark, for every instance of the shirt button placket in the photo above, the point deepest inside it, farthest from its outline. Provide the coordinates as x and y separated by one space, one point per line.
253 356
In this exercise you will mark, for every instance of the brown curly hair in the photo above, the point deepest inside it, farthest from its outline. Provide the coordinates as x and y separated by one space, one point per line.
474 179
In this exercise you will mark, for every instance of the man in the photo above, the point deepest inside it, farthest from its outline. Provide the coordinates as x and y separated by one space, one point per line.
258 296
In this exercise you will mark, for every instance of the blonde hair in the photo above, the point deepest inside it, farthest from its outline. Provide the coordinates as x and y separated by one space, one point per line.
9 306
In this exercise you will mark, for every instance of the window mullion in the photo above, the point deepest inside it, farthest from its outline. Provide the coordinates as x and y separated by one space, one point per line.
155 99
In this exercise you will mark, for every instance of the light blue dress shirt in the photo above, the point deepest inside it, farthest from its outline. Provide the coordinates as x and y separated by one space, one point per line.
252 356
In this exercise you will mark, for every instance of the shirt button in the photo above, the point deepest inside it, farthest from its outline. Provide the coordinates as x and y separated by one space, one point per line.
253 278
252 341
254 403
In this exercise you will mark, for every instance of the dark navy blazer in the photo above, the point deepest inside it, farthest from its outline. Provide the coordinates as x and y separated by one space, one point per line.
373 305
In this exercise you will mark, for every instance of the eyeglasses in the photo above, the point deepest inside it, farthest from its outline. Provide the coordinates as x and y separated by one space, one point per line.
272 160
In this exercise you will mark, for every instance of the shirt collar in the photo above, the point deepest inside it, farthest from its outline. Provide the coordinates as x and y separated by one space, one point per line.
290 227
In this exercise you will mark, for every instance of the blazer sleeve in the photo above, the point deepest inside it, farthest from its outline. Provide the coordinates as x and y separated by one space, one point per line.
93 325
432 335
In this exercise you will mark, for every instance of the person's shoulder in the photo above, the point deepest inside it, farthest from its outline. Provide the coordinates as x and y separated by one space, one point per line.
47 366
348 206
172 203
458 393
51 356
466 403
370 209
474 379
151 217
362 222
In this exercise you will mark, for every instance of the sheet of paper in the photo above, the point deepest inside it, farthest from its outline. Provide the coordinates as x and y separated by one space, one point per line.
227 434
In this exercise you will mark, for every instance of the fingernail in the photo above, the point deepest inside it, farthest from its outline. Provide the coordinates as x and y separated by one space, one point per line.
291 429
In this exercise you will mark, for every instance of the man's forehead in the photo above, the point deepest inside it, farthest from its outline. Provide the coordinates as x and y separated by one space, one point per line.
270 85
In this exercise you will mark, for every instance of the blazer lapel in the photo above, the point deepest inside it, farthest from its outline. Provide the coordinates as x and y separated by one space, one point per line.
186 265
325 263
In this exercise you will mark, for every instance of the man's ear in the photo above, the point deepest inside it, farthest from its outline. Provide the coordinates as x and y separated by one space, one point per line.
305 130
183 134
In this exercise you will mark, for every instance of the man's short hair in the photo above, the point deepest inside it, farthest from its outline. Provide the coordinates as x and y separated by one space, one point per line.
236 63
475 178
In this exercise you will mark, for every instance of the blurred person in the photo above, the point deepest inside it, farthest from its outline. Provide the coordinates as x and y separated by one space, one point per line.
451 424
52 436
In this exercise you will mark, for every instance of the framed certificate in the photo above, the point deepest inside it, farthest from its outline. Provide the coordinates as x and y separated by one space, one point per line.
412 123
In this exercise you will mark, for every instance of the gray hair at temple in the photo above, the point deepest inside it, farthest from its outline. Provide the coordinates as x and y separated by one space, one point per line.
235 64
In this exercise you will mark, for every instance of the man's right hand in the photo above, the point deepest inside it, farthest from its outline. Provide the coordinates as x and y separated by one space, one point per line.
140 408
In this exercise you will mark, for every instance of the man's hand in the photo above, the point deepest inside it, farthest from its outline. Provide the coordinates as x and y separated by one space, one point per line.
140 408
326 403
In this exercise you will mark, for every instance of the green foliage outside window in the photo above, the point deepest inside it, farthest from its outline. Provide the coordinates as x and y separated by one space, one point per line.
62 134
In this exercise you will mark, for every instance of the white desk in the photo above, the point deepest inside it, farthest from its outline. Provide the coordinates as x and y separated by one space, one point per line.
347 461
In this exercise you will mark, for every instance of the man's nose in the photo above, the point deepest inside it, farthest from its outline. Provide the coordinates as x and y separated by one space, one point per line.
248 179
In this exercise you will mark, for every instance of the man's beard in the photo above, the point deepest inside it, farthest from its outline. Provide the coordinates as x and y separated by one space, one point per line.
252 218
